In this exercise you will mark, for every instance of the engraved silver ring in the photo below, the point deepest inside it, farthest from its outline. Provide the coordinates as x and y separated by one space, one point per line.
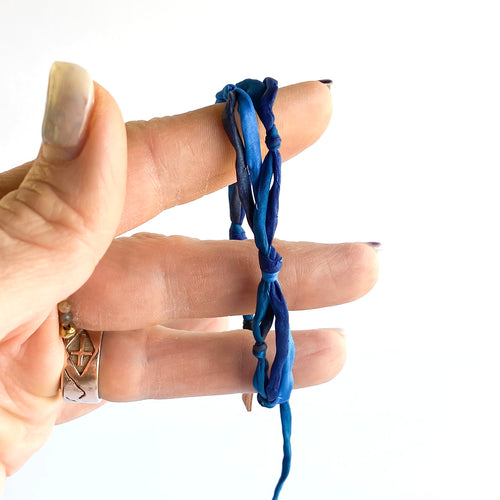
79 380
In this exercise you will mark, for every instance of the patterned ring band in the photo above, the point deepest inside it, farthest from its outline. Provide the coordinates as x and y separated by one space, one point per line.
79 379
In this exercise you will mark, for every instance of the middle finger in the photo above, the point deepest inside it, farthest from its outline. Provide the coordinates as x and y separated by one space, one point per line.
148 279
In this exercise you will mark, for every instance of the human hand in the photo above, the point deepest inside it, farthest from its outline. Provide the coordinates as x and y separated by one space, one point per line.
59 215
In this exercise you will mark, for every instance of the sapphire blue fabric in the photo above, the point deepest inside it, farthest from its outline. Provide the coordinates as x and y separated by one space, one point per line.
256 196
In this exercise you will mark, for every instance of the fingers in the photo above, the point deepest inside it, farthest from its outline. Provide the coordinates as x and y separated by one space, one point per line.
176 159
149 279
58 223
163 363
159 363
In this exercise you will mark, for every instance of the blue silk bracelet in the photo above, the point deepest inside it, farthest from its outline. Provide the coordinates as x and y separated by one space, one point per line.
256 196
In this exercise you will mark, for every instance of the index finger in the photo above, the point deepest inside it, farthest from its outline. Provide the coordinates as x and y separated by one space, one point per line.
177 159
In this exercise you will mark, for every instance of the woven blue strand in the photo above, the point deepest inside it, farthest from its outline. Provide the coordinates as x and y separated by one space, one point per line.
256 195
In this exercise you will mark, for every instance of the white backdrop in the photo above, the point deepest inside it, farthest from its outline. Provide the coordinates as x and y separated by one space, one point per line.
409 160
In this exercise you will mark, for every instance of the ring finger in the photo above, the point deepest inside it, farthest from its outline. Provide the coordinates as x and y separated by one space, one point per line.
161 363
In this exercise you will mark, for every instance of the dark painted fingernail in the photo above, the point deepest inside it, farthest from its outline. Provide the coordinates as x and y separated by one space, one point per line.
375 245
327 82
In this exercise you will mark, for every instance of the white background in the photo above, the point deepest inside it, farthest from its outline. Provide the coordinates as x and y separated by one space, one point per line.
409 159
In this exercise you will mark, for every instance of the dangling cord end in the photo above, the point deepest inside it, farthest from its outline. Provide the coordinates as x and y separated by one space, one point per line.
247 398
286 427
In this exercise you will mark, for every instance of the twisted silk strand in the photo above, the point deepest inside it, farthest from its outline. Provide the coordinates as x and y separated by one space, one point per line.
256 195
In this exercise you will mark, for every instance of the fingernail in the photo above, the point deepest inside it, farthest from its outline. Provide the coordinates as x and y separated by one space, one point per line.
327 82
375 245
70 97
340 332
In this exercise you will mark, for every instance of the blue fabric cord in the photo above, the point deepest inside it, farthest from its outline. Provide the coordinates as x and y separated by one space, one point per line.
256 195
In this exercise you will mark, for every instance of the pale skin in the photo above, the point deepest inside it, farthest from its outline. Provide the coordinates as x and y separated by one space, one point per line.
58 242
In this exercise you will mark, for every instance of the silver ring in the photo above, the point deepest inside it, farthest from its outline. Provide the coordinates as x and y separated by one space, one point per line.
80 377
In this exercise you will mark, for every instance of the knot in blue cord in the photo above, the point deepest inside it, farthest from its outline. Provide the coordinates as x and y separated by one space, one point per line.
221 96
259 350
236 232
270 265
264 401
273 140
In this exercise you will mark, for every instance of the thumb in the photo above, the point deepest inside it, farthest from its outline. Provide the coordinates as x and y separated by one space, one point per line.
57 225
